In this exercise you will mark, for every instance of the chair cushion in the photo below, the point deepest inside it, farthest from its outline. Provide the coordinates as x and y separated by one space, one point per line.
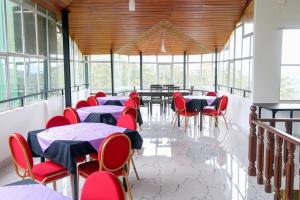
48 171
188 113
211 113
80 159
94 156
88 168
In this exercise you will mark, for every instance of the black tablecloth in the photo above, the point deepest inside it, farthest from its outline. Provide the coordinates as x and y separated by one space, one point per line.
119 103
64 152
107 118
197 104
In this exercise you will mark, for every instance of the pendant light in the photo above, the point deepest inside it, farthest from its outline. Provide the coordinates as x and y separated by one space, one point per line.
132 5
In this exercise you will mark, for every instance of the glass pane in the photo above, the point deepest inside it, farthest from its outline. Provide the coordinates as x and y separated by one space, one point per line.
14 27
164 59
134 59
194 58
194 75
238 74
101 77
16 79
248 27
42 39
290 83
29 3
31 77
231 46
207 57
246 47
178 75
2 44
291 47
207 76
149 75
52 38
29 32
164 74
59 37
178 58
245 74
238 42
149 59
2 80
127 76
56 75
42 63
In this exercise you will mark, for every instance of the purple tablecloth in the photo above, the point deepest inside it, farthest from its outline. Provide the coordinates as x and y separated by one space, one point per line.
210 100
104 100
115 111
93 133
27 192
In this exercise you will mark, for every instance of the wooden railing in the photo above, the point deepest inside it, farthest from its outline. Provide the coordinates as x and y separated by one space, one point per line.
276 160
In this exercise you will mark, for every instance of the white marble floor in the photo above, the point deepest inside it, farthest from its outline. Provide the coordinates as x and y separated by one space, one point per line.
174 164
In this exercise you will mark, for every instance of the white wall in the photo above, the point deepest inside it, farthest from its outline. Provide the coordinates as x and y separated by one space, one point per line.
269 19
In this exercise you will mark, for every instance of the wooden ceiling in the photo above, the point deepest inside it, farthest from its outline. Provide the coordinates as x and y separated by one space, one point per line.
194 26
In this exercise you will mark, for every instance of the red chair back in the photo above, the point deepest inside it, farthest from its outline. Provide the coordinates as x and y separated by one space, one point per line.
211 94
20 152
176 94
130 111
133 94
114 152
180 104
136 99
81 104
130 103
92 101
72 115
57 121
127 121
100 94
223 104
106 182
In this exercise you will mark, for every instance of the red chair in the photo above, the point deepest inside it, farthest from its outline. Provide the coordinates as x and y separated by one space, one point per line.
180 107
72 115
220 111
100 94
113 156
127 121
174 95
130 103
133 94
81 104
110 186
92 101
130 111
45 172
57 121
211 94
136 99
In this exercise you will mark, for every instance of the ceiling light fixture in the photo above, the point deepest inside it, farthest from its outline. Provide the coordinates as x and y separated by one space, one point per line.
162 45
132 5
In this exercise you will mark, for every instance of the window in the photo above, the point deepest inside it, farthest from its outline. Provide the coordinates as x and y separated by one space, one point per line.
31 77
42 38
2 44
100 75
52 34
29 31
290 65
14 27
2 80
16 78
149 74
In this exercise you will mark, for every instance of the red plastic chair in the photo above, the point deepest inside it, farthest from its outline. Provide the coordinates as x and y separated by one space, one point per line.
100 94
211 94
130 111
130 103
133 94
180 106
57 121
127 121
72 115
174 95
45 172
220 111
110 186
81 104
92 101
113 156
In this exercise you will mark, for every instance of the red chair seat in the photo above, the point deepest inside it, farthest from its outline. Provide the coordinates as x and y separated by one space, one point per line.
212 113
80 159
188 113
94 156
86 169
48 171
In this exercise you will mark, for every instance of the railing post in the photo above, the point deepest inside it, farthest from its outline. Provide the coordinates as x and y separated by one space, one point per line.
252 142
288 129
278 168
268 167
260 155
289 181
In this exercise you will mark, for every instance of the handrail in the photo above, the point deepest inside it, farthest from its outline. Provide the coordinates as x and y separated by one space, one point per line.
277 158
231 89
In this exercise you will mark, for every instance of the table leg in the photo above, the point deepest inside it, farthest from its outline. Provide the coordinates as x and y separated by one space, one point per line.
201 121
124 184
74 185
42 159
178 120
291 116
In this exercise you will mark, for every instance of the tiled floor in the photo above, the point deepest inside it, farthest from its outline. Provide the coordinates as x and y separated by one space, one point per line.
185 165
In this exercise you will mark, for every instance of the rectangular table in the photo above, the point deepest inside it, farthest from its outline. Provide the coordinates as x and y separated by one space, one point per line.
75 140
